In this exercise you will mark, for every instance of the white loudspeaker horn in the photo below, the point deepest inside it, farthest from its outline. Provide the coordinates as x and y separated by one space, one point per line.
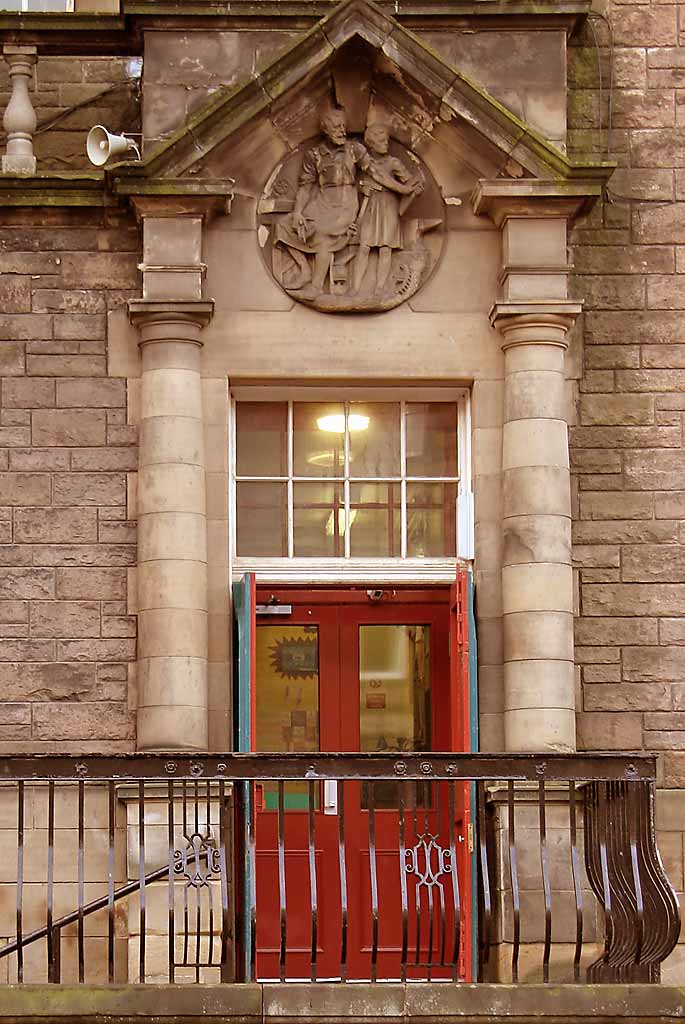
101 145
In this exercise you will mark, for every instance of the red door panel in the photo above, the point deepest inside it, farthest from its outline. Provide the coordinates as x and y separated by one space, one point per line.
385 681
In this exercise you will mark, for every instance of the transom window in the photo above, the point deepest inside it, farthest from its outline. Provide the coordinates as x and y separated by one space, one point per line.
356 479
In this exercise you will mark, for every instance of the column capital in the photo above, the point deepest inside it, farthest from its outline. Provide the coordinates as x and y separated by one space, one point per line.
170 321
534 323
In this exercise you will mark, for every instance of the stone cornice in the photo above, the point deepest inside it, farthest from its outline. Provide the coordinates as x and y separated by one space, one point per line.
81 189
539 321
75 33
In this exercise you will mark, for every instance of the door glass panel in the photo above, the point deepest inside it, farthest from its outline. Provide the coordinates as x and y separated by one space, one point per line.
287 713
394 695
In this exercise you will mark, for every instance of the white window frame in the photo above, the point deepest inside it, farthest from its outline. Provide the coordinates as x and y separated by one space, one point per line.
27 6
358 570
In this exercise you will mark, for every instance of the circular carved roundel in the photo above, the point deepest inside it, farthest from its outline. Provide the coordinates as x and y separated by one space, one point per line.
351 223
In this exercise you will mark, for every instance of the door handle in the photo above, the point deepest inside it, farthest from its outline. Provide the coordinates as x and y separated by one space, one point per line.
330 796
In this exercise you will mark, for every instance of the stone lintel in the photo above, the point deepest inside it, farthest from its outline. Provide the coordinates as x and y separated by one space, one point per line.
522 197
196 312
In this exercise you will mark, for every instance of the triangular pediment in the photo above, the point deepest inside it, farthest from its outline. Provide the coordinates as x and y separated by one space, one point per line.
355 56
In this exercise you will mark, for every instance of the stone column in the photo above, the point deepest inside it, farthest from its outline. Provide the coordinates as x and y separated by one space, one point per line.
172 538
20 118
537 581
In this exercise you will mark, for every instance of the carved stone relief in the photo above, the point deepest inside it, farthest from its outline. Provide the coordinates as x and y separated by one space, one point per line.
349 223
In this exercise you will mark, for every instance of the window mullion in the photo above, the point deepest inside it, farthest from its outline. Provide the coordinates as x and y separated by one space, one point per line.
346 486
291 499
403 482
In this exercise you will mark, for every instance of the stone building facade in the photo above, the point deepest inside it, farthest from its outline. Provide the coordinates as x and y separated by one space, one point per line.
135 302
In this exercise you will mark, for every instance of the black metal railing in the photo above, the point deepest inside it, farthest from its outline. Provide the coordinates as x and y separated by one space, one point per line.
175 868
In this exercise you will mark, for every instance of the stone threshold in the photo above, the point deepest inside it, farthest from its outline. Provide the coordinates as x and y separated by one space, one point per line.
329 1002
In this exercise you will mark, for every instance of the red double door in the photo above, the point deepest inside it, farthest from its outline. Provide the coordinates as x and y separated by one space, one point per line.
357 671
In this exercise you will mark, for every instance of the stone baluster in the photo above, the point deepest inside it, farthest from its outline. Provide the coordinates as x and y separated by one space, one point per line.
20 118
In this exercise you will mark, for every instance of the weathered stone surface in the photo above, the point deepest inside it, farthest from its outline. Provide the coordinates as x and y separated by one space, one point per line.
655 470
57 682
28 393
102 584
26 583
672 631
653 664
96 650
65 619
89 489
105 719
598 730
634 599
61 428
654 563
54 525
627 697
599 409
628 505
93 394
24 489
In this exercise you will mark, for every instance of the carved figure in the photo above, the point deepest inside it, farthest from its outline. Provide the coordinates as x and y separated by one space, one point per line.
326 204
352 239
386 179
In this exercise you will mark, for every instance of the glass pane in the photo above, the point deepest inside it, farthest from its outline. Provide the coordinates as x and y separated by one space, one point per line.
318 520
431 439
375 520
287 713
262 438
394 695
431 520
261 524
374 438
319 439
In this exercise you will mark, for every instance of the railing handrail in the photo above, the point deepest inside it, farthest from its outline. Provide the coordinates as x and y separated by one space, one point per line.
589 766
88 908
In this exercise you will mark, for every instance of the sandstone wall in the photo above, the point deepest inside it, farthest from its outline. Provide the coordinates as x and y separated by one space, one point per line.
626 449
66 448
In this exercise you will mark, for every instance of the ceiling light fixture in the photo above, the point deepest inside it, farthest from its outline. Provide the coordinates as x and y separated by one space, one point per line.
335 422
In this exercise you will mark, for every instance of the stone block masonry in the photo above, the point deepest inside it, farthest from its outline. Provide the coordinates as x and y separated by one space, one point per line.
626 449
67 640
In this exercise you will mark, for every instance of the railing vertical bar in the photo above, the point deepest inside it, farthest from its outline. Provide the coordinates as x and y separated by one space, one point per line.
514 876
210 887
111 828
141 879
632 812
417 887
186 840
20 880
312 880
81 880
456 895
602 813
575 869
224 845
252 854
342 862
198 889
441 892
281 878
170 883
546 885
484 870
50 879
371 788
403 878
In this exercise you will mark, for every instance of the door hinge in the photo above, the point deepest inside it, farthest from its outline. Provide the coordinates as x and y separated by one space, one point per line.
469 837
